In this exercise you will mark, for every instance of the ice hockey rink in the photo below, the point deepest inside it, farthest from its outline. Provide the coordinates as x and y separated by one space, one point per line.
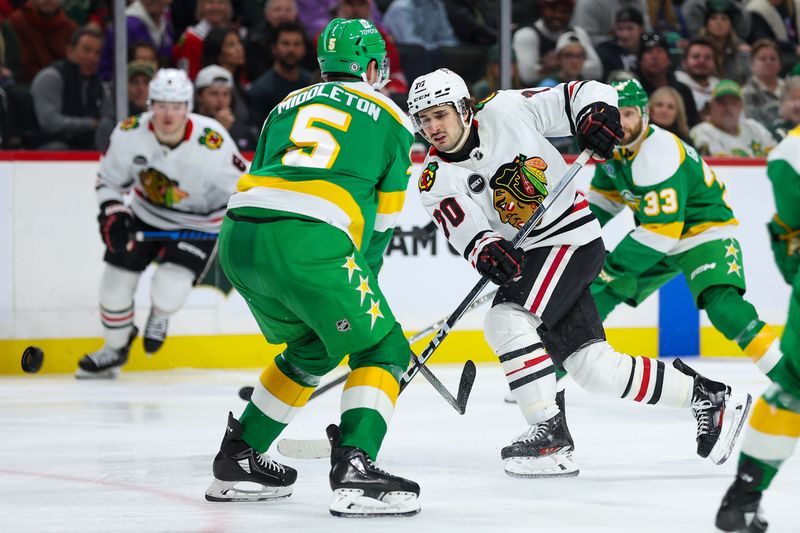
135 455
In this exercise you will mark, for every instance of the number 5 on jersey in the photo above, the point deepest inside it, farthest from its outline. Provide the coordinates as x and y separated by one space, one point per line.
304 134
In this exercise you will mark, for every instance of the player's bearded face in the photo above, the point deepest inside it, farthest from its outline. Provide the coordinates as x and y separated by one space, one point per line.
631 121
169 117
442 126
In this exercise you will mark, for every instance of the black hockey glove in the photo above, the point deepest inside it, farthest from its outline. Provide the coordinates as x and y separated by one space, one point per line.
115 225
500 261
599 129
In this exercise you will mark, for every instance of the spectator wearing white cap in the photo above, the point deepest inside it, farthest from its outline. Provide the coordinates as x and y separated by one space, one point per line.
214 97
571 56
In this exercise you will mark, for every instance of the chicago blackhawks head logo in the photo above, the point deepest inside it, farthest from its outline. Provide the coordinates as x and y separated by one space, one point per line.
210 139
159 189
428 176
519 189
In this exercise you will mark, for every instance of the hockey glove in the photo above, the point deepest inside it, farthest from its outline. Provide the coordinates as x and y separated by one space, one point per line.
115 225
599 129
786 248
500 261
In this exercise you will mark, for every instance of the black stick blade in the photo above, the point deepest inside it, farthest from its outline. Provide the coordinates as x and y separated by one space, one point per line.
465 385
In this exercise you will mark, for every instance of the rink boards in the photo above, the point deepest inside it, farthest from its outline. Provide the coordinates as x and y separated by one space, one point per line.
51 260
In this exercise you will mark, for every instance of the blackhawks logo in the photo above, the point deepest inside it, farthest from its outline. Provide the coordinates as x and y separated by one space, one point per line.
428 176
130 123
519 189
159 189
210 139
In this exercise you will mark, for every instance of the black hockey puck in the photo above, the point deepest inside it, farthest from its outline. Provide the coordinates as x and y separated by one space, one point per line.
32 359
245 393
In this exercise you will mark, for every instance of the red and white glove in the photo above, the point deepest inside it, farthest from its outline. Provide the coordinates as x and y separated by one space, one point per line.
115 225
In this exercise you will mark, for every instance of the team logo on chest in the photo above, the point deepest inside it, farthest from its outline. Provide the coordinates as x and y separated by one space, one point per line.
159 189
519 189
428 176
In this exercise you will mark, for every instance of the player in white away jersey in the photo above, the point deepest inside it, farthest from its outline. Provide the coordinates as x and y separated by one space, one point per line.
489 169
181 169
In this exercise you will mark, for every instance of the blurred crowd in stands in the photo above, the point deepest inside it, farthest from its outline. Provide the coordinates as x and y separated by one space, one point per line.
723 75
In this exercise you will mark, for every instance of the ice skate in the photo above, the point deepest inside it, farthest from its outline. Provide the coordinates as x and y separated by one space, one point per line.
155 333
740 510
545 450
720 416
361 489
241 474
106 362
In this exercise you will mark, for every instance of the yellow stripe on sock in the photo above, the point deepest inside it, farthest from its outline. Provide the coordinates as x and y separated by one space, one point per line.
774 421
283 388
373 376
760 344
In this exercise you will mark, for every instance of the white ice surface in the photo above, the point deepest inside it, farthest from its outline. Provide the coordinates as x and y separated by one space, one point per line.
135 455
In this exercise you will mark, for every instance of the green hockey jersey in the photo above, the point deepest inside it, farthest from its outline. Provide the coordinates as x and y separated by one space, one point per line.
677 200
335 152
783 169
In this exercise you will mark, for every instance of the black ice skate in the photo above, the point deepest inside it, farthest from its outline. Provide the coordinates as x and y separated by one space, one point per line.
106 362
740 510
361 489
719 415
545 450
155 332
241 474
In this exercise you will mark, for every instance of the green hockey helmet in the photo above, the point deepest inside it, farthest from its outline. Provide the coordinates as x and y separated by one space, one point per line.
631 94
347 47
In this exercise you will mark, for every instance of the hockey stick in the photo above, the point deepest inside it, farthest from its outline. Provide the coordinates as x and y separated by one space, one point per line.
177 235
245 393
473 294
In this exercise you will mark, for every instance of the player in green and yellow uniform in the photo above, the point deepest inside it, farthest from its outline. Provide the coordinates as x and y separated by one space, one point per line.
303 242
775 424
684 225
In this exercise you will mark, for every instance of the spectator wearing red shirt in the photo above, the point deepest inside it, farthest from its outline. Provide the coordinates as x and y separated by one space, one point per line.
187 54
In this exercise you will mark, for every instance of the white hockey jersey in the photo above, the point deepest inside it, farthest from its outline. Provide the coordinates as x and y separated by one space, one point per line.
186 187
496 190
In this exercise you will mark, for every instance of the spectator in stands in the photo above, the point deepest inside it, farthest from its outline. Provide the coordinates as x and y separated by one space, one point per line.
68 95
258 45
92 13
214 91
535 45
667 111
139 75
622 52
285 76
695 15
725 133
778 20
36 35
655 70
664 19
188 51
598 17
145 52
147 21
420 22
223 47
761 93
491 80
571 56
397 88
315 14
698 71
473 21
732 55
790 109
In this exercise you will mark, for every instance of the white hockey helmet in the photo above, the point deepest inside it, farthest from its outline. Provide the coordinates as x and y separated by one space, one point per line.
171 85
440 87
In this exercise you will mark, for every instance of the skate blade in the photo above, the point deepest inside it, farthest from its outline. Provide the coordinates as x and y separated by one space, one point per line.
351 503
556 465
736 409
241 491
111 373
